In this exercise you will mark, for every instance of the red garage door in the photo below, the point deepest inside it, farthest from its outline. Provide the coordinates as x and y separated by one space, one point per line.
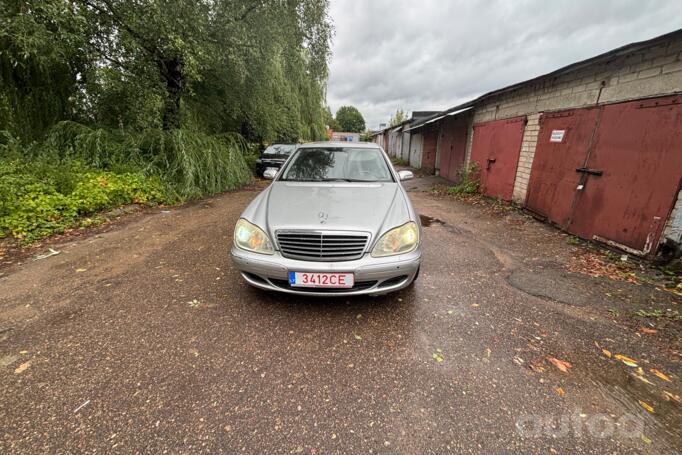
453 143
629 171
553 178
496 147
430 139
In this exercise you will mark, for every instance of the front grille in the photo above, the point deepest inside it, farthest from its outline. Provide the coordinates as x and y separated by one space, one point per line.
322 246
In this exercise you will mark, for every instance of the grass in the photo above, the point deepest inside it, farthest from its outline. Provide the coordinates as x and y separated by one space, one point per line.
659 314
397 161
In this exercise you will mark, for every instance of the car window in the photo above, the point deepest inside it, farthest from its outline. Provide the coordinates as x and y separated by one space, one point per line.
338 164
279 149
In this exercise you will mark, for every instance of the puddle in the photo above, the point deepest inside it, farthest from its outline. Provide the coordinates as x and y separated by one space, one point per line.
429 220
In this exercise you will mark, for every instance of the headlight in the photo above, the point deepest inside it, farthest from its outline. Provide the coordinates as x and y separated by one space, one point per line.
402 239
250 237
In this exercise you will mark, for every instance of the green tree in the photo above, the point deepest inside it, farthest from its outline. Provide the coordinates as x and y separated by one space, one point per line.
350 119
399 117
329 119
257 67
42 52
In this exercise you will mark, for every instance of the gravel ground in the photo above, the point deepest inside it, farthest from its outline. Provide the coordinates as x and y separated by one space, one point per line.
143 338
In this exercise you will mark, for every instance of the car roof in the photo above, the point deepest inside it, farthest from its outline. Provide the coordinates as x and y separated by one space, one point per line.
340 144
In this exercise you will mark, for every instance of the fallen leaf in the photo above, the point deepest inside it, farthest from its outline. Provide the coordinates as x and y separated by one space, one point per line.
642 378
537 368
450 311
646 406
626 360
518 360
671 397
21 368
559 391
660 374
357 337
562 365
437 356
80 270
646 440
606 352
647 330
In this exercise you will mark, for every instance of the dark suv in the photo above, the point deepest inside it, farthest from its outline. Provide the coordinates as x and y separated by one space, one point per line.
273 157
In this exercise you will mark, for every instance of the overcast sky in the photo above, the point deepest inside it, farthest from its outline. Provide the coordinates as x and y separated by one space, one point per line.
434 54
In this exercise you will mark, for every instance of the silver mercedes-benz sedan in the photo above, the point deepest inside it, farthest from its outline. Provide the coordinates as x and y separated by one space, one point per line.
335 221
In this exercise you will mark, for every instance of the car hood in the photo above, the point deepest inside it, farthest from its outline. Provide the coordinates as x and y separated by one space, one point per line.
368 207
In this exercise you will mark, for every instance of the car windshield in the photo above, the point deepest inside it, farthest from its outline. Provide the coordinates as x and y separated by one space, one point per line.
279 149
338 164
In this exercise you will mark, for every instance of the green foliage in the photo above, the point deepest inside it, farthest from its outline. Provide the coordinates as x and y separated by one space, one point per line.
469 180
329 120
258 68
398 161
98 98
399 117
41 52
193 164
78 171
350 119
251 154
41 198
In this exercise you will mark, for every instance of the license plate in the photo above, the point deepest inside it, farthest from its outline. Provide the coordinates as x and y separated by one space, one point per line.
321 280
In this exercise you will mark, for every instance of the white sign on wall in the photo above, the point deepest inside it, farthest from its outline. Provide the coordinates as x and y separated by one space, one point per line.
557 135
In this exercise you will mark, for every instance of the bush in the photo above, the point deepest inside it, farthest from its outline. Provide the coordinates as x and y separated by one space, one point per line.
194 164
37 200
77 170
469 180
251 154
190 163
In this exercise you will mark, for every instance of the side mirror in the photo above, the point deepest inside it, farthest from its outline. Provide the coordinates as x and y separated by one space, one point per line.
270 173
405 175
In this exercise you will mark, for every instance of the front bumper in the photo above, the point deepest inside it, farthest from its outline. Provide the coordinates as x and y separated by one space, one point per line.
263 165
372 275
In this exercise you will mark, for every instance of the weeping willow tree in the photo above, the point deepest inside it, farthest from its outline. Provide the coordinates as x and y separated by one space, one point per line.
42 52
256 67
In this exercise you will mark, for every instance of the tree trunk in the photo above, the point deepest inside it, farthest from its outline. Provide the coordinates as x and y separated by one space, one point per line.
174 87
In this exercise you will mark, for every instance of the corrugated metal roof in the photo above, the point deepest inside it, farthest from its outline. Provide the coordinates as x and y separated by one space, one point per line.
620 51
441 116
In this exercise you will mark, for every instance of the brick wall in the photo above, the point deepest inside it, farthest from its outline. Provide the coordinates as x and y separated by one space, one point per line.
530 139
646 73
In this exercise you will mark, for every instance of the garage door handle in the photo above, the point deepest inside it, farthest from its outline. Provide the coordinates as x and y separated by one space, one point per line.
490 161
586 170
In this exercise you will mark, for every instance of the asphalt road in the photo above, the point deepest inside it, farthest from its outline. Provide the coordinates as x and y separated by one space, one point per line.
144 338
